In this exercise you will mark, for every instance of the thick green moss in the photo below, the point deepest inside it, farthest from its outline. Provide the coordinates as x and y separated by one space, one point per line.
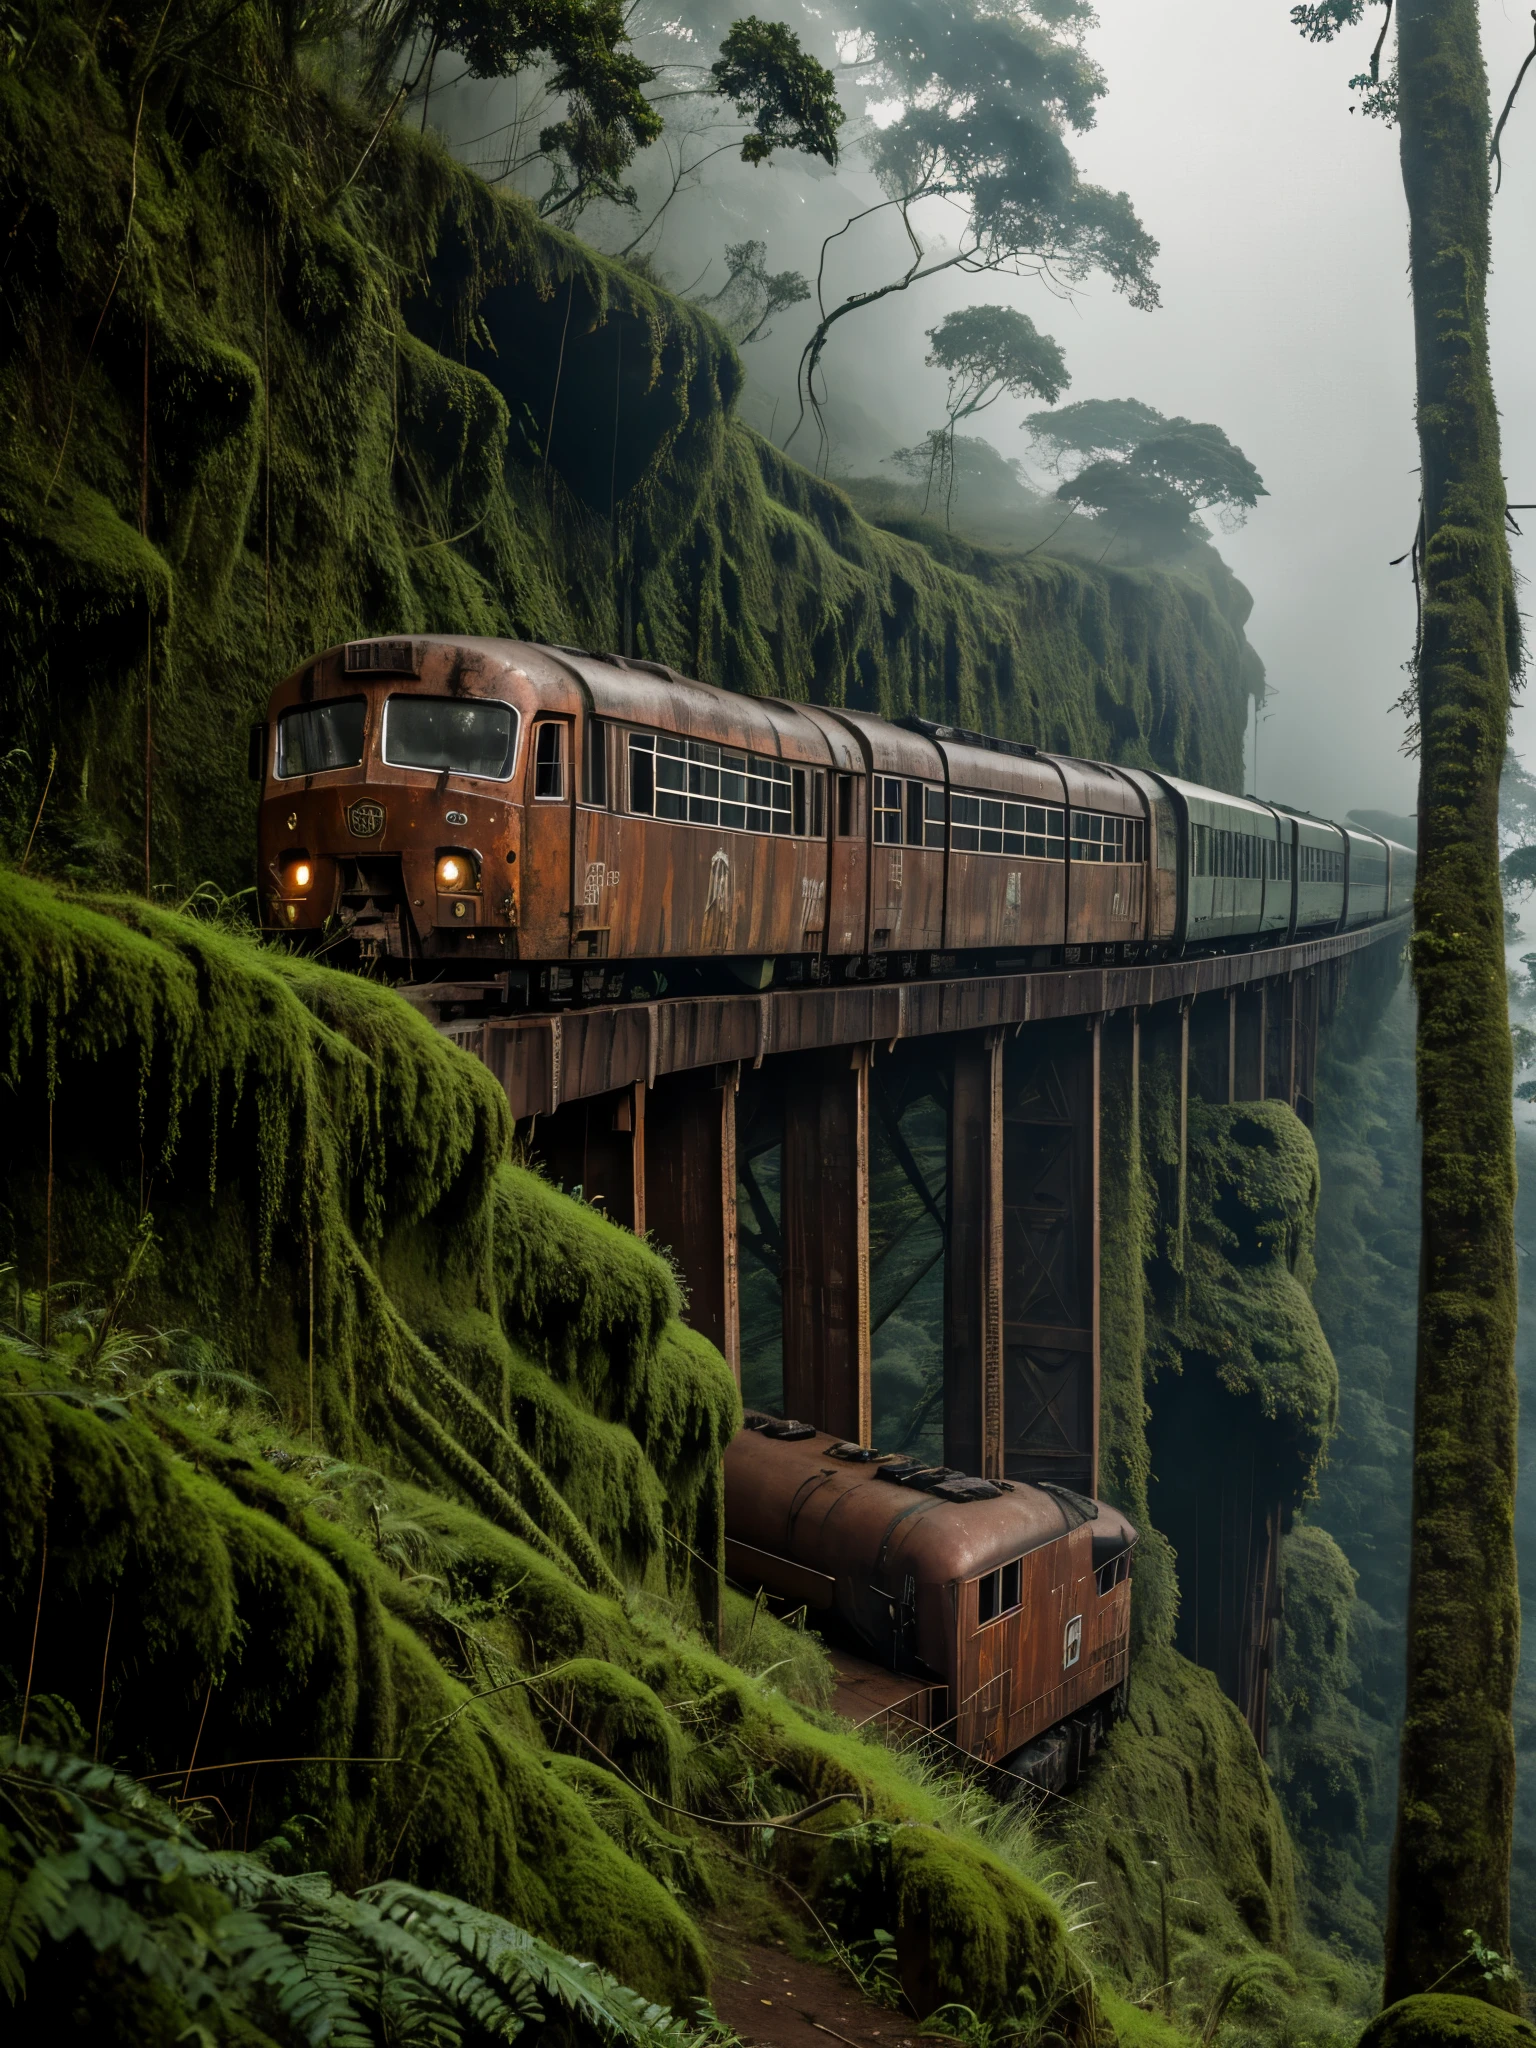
1439 2020
448 1608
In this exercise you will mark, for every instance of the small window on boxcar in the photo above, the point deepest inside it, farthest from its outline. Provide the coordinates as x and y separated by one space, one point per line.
594 764
887 793
642 774
549 761
845 806
320 736
1000 1592
465 735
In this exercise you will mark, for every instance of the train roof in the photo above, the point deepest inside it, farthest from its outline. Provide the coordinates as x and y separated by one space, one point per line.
841 1508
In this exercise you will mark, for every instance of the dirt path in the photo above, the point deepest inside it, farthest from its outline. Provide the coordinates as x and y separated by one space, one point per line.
773 2000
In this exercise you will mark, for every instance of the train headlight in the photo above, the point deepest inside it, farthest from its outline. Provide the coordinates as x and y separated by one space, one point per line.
456 871
298 873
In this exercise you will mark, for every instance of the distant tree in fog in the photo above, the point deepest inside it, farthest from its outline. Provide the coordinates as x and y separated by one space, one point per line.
986 96
988 352
752 293
1160 476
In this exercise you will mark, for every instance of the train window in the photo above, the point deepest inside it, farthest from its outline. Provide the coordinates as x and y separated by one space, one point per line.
810 802
933 817
886 795
984 824
549 760
1120 840
320 736
1000 1592
594 764
465 735
845 806
1320 864
696 783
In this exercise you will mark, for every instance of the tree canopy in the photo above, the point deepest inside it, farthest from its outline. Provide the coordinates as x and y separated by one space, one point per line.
1162 474
989 352
988 95
789 97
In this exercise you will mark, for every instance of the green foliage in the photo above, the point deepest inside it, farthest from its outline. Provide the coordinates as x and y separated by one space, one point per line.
752 293
92 1864
787 95
1093 427
988 352
1156 490
1444 2020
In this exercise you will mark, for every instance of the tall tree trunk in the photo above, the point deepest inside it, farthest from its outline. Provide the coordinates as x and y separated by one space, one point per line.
1450 1860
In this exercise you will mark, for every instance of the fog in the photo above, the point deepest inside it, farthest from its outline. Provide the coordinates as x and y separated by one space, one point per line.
1285 319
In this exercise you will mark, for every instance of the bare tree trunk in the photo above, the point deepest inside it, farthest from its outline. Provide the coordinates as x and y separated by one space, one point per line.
1450 1860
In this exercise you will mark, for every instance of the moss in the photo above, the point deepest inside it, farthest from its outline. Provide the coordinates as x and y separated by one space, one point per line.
1451 1858
1181 1793
1441 2020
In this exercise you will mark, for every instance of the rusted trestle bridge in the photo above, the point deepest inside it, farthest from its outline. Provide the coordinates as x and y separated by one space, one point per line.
657 1111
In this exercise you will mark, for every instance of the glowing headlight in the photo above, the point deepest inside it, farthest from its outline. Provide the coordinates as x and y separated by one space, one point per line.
455 871
299 874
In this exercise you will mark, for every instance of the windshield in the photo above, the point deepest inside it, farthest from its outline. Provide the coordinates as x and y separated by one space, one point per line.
466 735
319 736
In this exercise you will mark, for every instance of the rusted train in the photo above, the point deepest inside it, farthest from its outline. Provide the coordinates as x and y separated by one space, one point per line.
579 828
1005 1606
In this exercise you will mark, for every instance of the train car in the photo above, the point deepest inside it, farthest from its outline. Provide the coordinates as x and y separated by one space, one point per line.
1011 1602
574 827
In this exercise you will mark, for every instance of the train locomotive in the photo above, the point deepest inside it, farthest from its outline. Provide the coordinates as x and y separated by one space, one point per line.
565 827
1004 1608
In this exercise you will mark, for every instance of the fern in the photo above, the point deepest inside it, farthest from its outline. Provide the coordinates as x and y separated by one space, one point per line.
89 1855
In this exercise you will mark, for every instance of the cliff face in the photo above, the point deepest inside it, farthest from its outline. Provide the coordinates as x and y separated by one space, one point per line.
272 379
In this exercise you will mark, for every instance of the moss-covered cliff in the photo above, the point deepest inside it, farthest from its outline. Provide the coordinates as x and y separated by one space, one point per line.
273 377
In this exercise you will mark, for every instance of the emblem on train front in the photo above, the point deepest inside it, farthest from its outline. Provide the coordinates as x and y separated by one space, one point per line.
1072 1646
365 820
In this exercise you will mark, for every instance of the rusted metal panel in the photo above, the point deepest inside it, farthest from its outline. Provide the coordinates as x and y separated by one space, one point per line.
825 1198
690 1196
1049 1128
973 1281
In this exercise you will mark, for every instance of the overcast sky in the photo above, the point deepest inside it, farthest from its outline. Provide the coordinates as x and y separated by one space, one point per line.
1286 319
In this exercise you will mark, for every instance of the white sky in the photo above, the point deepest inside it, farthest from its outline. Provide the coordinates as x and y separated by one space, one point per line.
1286 320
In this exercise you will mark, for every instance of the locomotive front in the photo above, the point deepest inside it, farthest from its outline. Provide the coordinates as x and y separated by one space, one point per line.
392 802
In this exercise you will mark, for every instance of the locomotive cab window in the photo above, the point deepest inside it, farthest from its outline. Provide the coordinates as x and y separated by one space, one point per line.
1000 1592
549 761
319 736
465 735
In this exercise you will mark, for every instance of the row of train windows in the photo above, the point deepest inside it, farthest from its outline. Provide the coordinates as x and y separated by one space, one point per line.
1242 856
696 783
1321 864
1002 1591
912 814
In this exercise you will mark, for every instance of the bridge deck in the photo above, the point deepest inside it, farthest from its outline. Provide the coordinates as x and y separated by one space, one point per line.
543 1061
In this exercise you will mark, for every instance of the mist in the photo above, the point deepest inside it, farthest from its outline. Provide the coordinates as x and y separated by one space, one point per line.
1285 319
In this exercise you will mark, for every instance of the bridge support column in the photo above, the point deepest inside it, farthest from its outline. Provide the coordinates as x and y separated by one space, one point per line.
689 1196
1051 1123
1305 1021
973 1269
825 1193
597 1144
1249 1007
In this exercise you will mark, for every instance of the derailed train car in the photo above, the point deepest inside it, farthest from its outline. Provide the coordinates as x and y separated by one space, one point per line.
573 827
1007 1605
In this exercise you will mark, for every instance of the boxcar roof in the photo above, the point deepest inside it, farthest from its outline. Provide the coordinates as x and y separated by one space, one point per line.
796 1499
